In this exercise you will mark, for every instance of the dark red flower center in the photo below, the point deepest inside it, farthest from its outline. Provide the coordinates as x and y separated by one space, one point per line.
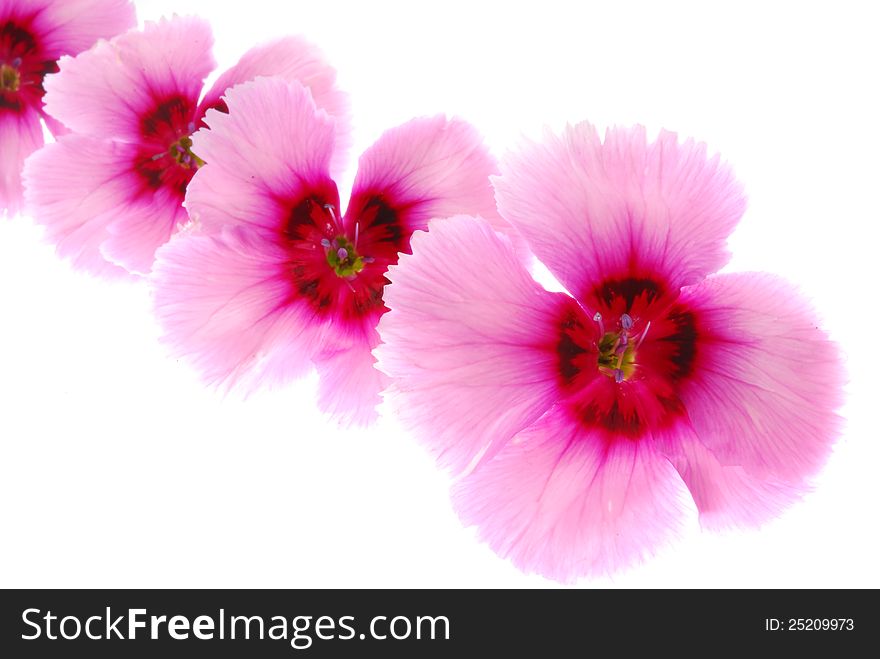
22 67
328 265
166 159
338 263
621 368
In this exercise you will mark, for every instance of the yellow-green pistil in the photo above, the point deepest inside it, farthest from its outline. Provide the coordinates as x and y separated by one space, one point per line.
343 258
617 350
616 358
10 78
182 153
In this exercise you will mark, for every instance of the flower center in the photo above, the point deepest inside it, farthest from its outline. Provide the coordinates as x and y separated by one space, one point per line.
343 257
10 78
341 252
181 152
617 349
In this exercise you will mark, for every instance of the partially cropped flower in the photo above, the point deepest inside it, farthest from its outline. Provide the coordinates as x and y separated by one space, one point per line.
278 277
582 423
34 34
112 191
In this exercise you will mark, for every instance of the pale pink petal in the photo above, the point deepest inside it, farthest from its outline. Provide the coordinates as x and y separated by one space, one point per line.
55 127
726 496
271 149
470 341
146 225
226 305
77 188
20 135
767 381
564 502
68 27
293 59
594 210
424 169
349 384
107 90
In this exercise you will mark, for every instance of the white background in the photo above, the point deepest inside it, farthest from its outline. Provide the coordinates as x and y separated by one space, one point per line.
117 468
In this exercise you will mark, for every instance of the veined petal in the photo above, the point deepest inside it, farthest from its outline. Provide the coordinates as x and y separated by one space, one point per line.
295 60
67 27
226 304
767 382
470 341
55 127
267 156
135 235
424 169
725 496
20 135
125 86
77 187
349 384
562 502
620 209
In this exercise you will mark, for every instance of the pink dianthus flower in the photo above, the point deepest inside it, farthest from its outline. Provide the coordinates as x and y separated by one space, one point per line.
34 34
275 277
581 423
111 193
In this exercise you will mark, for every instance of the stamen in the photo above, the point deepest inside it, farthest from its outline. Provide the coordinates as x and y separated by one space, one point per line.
616 350
332 209
158 156
182 153
325 243
191 127
357 226
342 253
642 337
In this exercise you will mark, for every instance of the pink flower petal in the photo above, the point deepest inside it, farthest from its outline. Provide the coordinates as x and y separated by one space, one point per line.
593 211
427 168
20 135
67 27
107 90
349 384
226 305
767 381
77 187
271 149
726 496
564 503
55 127
136 234
293 59
469 340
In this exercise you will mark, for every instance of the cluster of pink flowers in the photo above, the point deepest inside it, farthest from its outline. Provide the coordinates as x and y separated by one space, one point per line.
576 423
